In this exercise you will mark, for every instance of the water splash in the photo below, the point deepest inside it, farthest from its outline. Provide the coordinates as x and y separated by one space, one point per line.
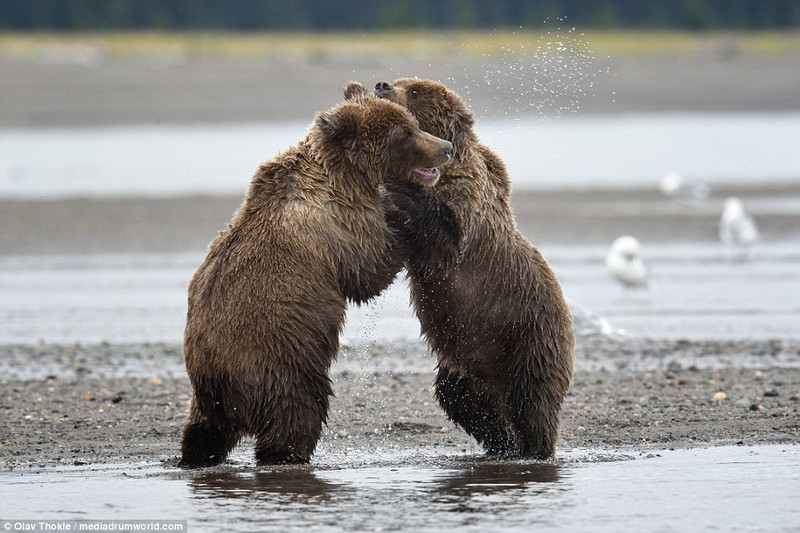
552 74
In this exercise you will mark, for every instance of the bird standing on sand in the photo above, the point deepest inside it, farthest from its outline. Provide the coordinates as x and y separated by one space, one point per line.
625 263
676 186
737 229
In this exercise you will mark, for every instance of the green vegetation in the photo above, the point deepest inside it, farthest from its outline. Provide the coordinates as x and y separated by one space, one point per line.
406 43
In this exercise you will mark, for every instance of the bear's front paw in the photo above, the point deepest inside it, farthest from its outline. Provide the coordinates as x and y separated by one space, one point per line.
403 197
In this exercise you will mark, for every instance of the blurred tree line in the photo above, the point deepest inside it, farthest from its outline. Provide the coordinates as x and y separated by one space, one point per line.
253 15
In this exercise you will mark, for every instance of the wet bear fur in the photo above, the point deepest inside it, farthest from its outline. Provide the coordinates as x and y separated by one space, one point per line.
489 304
267 304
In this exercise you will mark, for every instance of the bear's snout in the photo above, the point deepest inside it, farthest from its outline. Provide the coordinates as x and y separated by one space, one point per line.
383 87
443 147
448 150
440 152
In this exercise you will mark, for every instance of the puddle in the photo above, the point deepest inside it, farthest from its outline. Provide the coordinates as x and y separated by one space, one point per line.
714 489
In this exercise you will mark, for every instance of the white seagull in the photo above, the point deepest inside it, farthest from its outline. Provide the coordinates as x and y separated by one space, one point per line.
737 229
676 186
625 263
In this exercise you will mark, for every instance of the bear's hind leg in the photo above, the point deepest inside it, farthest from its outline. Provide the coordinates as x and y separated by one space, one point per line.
471 408
291 433
267 454
288 442
536 420
206 441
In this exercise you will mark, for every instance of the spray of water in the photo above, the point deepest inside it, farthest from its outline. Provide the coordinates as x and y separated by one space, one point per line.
550 75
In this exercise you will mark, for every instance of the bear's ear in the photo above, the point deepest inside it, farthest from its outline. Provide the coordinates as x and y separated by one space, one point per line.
354 90
459 130
339 125
462 116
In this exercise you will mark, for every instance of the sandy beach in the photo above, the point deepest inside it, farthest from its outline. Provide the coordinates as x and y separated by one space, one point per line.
631 395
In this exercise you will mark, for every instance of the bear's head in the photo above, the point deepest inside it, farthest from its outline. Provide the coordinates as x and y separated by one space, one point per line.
438 110
377 138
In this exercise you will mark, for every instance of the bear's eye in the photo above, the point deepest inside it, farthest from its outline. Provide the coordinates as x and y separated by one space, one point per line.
414 93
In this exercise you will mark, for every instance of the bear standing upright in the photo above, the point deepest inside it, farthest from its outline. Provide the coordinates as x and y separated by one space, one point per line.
267 304
489 304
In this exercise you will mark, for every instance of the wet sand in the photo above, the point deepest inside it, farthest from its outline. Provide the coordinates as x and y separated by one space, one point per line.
86 412
181 224
626 397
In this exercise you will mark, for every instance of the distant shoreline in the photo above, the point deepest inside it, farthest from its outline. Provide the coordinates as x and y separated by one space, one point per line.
390 43
72 81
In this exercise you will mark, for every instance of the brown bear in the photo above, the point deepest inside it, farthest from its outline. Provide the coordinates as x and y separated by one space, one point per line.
489 304
267 304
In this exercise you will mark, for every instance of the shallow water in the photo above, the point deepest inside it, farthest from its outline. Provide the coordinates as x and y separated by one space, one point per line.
628 151
715 489
695 294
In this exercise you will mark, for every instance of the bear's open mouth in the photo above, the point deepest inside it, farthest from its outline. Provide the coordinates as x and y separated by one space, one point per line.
427 174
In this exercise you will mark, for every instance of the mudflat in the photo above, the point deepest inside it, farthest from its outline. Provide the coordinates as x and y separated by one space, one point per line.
189 223
628 396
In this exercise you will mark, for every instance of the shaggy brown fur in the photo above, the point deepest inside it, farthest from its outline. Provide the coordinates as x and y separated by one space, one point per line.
490 306
267 304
